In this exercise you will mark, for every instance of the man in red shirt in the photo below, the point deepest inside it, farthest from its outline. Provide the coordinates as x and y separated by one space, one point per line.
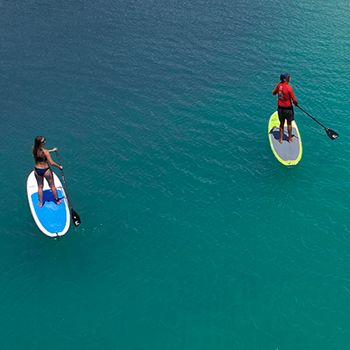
285 107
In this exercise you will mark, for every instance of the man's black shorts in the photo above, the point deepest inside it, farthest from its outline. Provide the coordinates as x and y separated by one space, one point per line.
285 114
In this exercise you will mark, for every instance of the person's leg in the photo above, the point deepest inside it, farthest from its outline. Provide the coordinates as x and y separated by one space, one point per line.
282 120
290 136
290 118
49 177
40 181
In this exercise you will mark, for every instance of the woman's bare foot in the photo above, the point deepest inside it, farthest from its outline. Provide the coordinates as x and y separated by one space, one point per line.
280 141
58 201
290 140
40 205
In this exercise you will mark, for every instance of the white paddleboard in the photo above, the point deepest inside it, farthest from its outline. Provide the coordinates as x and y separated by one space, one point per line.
52 219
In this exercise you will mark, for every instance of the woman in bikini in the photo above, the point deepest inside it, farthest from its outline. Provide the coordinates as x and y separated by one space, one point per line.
42 170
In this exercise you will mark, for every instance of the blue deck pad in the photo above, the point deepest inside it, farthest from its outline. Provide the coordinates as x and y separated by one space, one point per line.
52 216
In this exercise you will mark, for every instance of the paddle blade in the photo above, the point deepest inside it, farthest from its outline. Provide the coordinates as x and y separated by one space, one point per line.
75 218
332 134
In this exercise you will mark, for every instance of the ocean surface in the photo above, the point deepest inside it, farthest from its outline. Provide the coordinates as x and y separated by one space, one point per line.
193 236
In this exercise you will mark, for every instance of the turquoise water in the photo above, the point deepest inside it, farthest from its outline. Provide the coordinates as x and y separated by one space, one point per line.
193 235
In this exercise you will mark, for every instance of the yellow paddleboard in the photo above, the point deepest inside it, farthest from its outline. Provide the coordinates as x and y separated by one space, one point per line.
287 153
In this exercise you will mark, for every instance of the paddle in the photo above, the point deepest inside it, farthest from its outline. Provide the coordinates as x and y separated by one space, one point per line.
75 216
331 133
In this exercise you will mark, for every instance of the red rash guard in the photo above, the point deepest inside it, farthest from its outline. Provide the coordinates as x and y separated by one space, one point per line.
285 95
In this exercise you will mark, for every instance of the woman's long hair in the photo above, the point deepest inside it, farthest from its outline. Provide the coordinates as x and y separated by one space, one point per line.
37 148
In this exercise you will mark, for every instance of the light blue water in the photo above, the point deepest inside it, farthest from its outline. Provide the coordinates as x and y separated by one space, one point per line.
193 235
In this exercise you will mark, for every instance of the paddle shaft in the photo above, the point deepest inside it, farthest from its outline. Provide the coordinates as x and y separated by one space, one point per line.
75 216
313 118
65 183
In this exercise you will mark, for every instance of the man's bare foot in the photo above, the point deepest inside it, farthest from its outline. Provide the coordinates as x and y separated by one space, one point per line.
40 205
58 201
290 140
280 141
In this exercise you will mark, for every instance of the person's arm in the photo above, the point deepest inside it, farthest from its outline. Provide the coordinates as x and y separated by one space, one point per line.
49 159
275 90
291 92
52 150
